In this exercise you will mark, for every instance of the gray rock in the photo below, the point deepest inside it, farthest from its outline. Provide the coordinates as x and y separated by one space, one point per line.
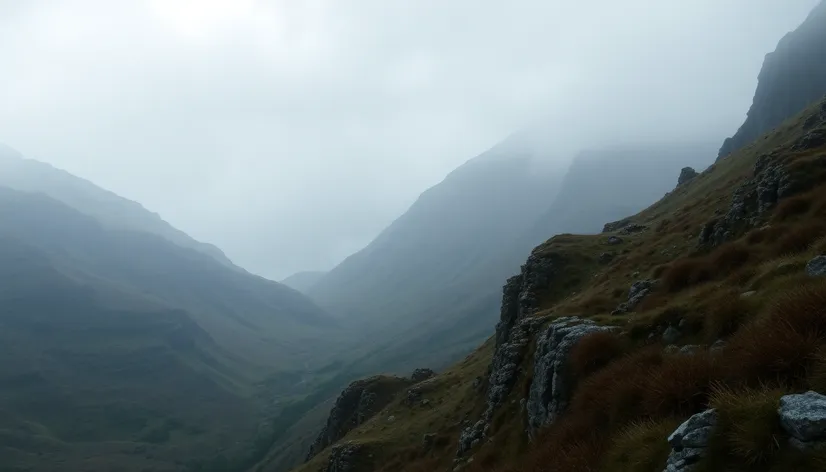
689 349
817 267
428 440
689 441
343 457
391 419
639 290
614 240
553 383
748 294
671 335
718 346
616 225
686 174
605 258
803 416
633 228
422 374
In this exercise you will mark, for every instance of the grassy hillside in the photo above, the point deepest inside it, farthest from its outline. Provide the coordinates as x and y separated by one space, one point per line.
749 290
120 350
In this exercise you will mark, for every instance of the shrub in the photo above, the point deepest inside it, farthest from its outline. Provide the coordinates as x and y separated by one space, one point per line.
749 426
792 207
680 385
799 239
725 315
594 351
640 447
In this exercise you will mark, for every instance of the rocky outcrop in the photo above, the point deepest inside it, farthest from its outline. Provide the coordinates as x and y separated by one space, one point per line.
686 175
803 417
639 290
343 457
520 300
355 405
616 225
689 441
504 371
792 77
422 374
817 267
751 200
553 382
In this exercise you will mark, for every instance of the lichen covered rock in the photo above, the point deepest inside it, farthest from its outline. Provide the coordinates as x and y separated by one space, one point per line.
689 441
553 383
817 267
803 416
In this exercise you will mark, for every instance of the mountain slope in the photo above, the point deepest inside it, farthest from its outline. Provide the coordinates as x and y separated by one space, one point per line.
111 210
121 350
439 252
723 329
792 77
303 281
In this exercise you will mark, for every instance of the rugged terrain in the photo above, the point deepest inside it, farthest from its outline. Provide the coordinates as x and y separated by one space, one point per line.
709 302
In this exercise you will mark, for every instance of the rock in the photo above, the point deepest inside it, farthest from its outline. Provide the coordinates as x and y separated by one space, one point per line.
803 416
689 441
422 374
616 225
639 290
671 349
553 383
391 419
671 335
686 174
751 200
748 294
605 258
813 139
425 402
817 267
614 240
689 349
477 382
355 405
718 346
343 457
428 440
633 228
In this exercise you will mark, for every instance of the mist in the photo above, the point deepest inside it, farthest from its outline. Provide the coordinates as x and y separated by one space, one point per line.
289 133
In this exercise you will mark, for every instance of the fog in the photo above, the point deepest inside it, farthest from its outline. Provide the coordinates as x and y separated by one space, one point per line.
290 132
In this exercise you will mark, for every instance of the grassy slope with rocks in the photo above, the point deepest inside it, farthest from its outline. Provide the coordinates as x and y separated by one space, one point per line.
750 291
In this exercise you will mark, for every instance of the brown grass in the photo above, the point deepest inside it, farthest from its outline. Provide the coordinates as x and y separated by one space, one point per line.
691 271
726 313
792 207
594 351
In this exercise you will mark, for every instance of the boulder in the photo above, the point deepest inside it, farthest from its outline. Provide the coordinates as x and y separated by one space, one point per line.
553 383
614 240
686 174
422 374
803 416
639 290
689 441
343 457
817 267
671 335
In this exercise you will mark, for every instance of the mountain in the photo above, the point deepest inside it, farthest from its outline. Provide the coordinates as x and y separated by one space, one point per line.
121 350
110 209
303 281
792 77
680 353
439 254
610 183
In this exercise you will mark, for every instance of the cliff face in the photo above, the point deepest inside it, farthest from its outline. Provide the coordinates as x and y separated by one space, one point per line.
792 77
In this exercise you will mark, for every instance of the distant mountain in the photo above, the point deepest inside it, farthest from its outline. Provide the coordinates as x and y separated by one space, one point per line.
120 350
608 184
303 281
111 210
792 77
436 265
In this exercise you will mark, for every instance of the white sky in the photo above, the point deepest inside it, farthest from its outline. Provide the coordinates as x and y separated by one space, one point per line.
290 132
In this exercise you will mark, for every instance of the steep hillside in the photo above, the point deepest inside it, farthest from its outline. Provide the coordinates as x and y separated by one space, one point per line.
111 210
120 350
438 254
611 183
711 308
793 76
303 281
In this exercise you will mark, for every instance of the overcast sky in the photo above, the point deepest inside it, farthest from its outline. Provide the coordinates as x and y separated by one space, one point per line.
290 132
